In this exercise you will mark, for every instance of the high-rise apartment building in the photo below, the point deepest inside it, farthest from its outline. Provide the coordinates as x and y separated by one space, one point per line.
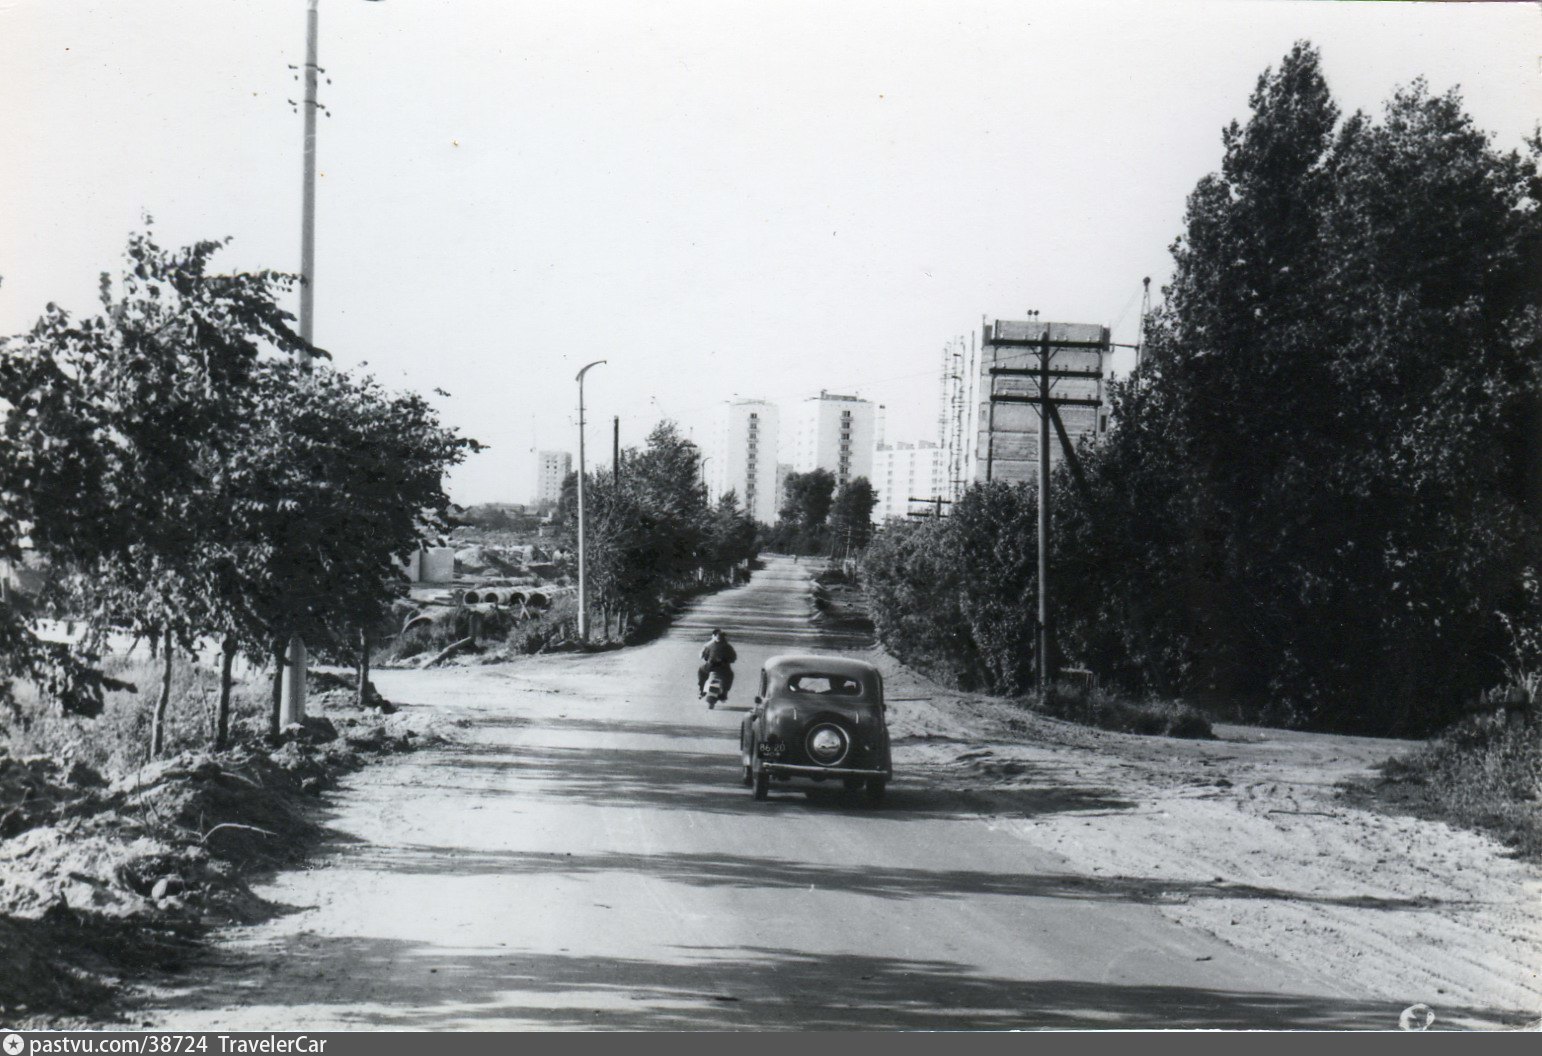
1007 445
834 433
743 457
551 469
902 472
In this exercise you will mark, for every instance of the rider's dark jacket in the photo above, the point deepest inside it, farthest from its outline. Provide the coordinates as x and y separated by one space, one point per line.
718 653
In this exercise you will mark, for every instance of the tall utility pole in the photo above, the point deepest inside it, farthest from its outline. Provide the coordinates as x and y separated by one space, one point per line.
308 185
990 411
1145 310
292 696
291 706
583 592
1048 404
1044 426
615 450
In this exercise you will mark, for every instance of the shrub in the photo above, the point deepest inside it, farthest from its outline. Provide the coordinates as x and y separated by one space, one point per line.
1109 711
557 624
1484 773
504 632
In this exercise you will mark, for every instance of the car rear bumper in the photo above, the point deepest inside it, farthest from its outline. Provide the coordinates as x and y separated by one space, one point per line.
793 770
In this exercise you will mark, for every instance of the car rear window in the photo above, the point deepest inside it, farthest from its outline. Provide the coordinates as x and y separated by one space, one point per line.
828 685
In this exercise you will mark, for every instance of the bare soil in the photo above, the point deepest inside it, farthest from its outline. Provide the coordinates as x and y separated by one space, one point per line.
1257 840
101 882
579 840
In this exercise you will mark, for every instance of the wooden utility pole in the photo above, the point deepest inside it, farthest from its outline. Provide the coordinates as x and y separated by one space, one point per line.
292 691
583 584
1047 406
1044 411
990 412
615 450
1145 311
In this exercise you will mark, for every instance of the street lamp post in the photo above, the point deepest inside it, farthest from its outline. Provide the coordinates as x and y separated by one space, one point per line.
583 586
292 697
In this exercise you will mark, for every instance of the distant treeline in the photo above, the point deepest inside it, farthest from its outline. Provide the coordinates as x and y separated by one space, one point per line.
651 535
1322 488
816 517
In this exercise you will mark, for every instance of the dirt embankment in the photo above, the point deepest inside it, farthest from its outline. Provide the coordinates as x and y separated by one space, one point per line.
101 881
1253 837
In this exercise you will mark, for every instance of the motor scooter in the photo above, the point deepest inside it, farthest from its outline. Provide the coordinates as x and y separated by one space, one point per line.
714 688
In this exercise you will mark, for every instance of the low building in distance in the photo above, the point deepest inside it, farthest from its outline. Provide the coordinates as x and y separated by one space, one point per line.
903 472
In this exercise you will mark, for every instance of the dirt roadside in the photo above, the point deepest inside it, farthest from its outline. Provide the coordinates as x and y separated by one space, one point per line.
1251 838
1246 838
104 881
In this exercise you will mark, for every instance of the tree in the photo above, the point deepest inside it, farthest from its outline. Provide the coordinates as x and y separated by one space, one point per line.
952 595
1321 488
851 516
806 502
730 539
339 483
807 498
664 478
146 395
185 477
51 468
651 536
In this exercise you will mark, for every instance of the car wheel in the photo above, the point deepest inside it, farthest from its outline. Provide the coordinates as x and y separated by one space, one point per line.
852 784
876 786
761 782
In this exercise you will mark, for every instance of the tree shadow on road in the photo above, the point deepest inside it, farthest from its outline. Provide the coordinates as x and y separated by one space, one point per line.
628 727
676 779
874 881
398 984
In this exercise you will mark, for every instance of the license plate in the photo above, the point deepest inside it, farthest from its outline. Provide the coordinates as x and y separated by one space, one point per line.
771 751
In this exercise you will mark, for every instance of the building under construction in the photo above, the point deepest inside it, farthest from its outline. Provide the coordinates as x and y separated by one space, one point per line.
1006 396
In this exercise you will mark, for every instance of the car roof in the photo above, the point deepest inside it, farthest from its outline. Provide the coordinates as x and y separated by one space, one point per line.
794 663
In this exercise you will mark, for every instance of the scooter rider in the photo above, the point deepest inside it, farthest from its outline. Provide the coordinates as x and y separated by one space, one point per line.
717 655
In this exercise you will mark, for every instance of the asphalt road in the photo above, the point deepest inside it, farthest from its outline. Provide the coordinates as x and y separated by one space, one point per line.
582 855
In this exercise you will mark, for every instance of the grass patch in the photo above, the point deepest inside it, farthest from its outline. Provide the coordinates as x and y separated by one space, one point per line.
118 741
1098 707
500 633
1484 773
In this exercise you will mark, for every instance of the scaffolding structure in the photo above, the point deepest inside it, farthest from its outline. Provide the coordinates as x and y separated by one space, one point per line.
955 430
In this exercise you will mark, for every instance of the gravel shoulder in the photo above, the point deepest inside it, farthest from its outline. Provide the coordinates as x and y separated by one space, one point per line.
1251 838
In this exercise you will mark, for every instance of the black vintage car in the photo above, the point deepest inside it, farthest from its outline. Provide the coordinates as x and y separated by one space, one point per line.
821 719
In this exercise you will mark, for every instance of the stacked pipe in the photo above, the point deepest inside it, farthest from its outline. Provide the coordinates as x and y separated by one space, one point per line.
533 600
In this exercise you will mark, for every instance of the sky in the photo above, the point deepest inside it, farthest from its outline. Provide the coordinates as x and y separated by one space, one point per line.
719 198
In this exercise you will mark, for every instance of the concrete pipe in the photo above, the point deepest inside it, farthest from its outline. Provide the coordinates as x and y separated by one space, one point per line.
418 620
